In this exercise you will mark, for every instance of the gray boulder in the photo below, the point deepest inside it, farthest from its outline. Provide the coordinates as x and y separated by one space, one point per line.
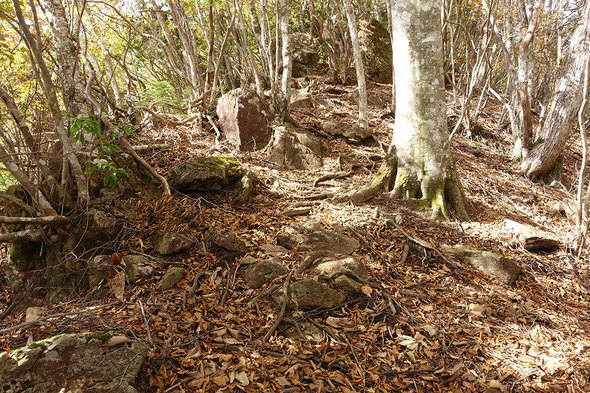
304 50
376 47
75 363
205 174
352 131
171 278
244 119
226 240
494 265
263 272
532 239
295 148
312 293
347 273
137 266
312 236
169 243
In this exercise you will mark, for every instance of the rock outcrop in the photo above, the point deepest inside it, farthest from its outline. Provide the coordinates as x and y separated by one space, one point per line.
494 265
206 174
295 148
244 119
77 363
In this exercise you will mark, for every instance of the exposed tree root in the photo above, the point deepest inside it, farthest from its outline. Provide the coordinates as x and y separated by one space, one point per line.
434 195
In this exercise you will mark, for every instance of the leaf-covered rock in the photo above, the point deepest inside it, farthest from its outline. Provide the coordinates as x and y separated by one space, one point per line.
74 363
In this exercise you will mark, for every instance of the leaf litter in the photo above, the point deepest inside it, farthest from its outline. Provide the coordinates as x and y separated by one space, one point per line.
418 325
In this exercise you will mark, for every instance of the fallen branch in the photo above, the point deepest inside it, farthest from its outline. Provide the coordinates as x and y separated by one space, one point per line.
52 316
28 235
156 146
283 308
422 243
48 220
332 176
17 201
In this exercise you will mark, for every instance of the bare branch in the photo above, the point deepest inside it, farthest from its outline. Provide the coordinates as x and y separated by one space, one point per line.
48 220
30 235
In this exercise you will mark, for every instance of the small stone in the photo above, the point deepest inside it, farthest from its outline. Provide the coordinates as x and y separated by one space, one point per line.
532 239
274 250
137 266
169 243
264 272
34 313
226 240
171 278
312 293
302 211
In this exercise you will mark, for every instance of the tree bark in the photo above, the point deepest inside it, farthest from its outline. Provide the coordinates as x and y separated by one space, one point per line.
558 125
188 45
420 157
68 60
53 104
287 63
358 65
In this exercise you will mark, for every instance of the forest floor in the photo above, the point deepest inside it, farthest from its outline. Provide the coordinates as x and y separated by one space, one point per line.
422 326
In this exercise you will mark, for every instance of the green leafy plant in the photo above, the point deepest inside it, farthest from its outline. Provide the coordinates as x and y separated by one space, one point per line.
84 127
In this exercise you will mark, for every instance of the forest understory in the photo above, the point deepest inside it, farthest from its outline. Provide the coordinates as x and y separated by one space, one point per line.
424 323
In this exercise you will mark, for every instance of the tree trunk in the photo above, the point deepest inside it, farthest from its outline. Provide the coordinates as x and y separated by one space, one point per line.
420 157
67 53
525 73
358 65
188 43
558 125
287 64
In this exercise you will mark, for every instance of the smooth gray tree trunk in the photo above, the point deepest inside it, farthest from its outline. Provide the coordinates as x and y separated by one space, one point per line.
358 65
420 156
558 125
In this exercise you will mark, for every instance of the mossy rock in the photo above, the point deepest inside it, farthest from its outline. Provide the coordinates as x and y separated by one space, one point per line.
203 174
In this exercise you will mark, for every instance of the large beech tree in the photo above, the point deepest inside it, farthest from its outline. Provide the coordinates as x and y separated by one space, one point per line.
419 165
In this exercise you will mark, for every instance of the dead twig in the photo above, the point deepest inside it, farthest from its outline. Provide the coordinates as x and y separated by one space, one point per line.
48 317
147 326
423 244
332 176
283 308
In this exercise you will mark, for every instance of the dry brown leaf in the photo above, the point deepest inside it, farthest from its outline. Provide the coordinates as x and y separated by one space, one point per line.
220 380
367 290
117 285
115 340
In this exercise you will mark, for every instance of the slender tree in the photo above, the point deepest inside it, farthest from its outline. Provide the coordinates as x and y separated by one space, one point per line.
358 65
567 98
